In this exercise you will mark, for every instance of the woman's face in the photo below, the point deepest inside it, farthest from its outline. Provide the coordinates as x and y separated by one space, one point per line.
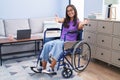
70 12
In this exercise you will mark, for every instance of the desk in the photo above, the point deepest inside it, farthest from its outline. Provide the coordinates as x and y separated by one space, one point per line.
7 41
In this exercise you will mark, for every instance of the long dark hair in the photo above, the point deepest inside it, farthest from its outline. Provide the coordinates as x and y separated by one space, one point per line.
67 18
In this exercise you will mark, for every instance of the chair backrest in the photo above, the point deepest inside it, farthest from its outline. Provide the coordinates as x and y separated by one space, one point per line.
79 36
46 39
78 32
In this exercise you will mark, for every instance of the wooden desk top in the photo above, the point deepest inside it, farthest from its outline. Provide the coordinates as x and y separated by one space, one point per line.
7 40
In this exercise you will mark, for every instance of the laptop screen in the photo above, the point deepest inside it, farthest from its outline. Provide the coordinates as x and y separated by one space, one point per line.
23 34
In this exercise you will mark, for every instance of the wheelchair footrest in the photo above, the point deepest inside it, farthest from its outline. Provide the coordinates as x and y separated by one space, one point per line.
34 69
54 73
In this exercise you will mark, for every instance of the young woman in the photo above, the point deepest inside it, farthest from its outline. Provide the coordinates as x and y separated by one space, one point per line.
55 47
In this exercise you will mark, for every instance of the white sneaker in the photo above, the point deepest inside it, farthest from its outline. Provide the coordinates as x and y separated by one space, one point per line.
39 68
48 71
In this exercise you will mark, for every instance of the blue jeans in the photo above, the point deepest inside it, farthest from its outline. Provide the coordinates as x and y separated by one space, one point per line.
53 48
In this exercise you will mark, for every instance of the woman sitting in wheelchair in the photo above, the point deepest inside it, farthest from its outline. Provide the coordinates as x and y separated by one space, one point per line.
55 47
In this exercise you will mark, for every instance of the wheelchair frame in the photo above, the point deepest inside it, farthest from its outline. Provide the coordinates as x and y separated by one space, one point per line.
67 71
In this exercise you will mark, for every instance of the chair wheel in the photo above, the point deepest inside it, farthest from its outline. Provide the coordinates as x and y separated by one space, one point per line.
67 73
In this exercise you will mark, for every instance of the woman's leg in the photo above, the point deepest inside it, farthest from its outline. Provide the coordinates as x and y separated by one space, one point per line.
53 63
53 48
44 63
45 53
57 49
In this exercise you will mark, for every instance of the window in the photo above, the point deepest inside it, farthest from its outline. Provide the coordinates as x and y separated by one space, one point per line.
79 4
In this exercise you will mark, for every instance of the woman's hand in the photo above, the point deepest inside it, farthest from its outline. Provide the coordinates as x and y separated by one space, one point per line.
56 18
59 20
81 24
85 22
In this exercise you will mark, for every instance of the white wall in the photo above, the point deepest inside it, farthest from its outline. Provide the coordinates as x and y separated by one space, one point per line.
63 6
92 6
118 11
10 9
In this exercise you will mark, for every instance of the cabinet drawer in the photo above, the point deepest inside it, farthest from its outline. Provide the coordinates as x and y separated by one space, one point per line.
105 41
116 58
105 27
93 50
92 26
103 54
116 44
90 37
116 29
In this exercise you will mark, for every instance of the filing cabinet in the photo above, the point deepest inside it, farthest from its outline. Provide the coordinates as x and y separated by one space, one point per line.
104 39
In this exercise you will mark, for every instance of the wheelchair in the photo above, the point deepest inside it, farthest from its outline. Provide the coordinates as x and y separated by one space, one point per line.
79 53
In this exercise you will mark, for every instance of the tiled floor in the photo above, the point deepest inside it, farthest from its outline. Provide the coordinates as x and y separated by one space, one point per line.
19 69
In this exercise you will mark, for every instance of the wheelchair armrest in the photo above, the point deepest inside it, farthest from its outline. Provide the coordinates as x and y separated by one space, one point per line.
52 29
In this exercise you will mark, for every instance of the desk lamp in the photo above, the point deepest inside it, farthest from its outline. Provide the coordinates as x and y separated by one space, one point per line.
111 11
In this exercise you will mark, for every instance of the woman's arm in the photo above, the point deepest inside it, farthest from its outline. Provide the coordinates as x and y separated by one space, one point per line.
59 20
81 24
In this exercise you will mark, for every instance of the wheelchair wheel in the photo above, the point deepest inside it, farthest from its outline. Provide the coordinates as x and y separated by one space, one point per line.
81 56
67 72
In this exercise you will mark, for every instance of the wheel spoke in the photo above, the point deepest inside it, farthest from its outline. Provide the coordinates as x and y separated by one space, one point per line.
81 56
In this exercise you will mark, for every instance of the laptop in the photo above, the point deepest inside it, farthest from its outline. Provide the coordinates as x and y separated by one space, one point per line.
23 34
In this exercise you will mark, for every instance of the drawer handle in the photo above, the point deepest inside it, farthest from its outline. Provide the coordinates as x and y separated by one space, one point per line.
89 37
119 44
103 27
101 53
103 41
118 59
86 24
89 24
